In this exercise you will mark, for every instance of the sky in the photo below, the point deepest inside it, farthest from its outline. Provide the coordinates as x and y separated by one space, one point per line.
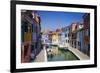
52 20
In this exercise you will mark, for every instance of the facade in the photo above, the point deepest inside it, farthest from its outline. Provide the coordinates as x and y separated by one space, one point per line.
65 36
77 35
58 31
36 43
30 35
51 37
55 37
45 38
86 23
73 35
80 37
26 38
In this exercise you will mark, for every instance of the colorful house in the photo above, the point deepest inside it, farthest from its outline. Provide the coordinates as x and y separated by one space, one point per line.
86 23
73 34
55 39
30 35
80 37
45 38
65 35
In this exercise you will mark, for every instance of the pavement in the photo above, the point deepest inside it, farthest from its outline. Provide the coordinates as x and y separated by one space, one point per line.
41 57
79 54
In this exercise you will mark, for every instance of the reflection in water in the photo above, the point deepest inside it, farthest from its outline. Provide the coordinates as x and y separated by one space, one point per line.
54 53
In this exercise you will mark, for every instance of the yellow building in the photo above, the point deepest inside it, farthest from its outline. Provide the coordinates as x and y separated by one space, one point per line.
55 38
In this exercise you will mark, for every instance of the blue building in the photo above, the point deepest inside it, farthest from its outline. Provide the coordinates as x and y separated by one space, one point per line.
36 35
83 35
80 37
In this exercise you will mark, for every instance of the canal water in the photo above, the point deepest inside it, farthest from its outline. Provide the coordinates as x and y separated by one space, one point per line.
54 53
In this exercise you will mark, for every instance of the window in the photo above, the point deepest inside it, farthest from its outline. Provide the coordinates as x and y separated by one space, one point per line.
25 26
68 34
65 35
72 42
68 41
78 43
88 46
75 44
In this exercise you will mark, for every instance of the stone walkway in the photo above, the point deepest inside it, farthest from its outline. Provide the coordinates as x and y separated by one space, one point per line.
41 57
79 54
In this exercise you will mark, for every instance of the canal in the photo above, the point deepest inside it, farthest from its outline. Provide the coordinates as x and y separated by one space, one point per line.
54 53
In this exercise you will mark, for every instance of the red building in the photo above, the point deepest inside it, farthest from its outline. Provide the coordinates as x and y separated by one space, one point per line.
86 23
73 34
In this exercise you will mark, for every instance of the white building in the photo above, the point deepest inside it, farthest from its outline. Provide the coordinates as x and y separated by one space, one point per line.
45 38
65 36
